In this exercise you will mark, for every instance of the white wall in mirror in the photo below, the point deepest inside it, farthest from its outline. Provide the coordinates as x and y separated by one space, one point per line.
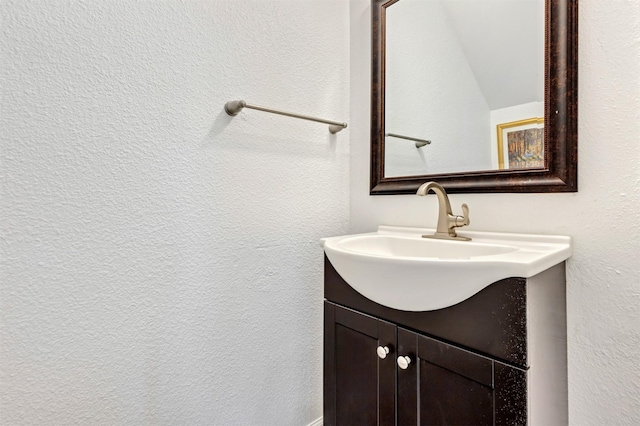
431 93
503 41
454 69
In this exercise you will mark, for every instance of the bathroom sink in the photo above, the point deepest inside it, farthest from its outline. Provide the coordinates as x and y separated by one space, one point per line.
396 267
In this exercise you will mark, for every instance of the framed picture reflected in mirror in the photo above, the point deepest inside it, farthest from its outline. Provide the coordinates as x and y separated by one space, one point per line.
521 144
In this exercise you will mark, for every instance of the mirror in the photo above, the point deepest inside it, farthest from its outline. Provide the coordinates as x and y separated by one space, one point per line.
479 95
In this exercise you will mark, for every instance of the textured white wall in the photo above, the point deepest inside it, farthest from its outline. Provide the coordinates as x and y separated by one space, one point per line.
160 260
456 121
603 294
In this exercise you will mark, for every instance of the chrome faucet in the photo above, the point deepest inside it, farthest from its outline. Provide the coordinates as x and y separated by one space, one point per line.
447 222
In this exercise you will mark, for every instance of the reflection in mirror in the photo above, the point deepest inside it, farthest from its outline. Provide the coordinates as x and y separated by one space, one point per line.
491 83
469 76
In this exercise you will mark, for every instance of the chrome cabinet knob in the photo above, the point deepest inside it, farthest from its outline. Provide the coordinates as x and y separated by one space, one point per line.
403 362
382 351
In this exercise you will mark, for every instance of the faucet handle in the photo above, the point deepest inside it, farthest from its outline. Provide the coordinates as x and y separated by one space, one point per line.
464 219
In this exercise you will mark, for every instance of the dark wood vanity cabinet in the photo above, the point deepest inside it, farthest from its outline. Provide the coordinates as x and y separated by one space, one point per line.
441 385
471 364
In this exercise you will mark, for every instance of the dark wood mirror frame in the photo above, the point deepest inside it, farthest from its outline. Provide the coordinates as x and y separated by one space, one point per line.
560 112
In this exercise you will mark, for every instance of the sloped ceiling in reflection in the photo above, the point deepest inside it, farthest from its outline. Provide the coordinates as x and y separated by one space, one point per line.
504 43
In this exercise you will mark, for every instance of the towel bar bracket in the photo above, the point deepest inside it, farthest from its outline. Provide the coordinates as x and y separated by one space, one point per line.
419 142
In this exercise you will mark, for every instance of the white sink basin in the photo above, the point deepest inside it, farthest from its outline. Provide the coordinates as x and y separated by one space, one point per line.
396 267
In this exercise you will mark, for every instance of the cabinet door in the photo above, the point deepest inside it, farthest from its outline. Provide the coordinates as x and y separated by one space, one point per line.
359 386
443 384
